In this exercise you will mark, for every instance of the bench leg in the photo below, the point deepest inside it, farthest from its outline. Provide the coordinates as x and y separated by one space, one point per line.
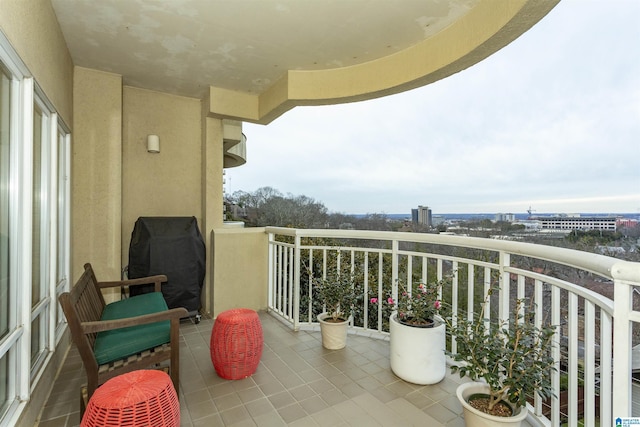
83 401
175 355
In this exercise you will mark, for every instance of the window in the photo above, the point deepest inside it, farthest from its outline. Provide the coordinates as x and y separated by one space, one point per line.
5 306
34 231
5 88
61 197
39 235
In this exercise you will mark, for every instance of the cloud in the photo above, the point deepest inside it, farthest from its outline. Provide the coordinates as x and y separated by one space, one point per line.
551 120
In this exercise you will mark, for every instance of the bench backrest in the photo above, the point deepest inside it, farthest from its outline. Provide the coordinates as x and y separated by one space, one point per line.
84 303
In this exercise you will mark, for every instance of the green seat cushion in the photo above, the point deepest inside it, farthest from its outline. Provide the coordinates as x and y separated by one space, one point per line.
120 343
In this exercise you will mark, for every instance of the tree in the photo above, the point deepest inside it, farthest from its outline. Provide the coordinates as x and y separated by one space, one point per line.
268 206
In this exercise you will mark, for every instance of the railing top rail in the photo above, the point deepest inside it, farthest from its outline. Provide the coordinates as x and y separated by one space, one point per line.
599 264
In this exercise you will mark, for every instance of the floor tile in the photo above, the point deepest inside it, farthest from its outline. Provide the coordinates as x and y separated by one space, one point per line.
298 383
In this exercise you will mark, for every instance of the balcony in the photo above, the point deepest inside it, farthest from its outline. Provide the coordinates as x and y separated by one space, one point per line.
300 383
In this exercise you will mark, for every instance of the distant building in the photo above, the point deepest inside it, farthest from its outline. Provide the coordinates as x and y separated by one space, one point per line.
578 223
422 216
436 220
626 223
506 217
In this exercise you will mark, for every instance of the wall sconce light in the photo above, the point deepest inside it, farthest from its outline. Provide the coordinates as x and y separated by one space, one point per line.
153 143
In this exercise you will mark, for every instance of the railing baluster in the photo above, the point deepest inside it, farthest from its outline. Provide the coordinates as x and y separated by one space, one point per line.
454 298
296 283
521 295
606 390
365 286
555 376
573 338
352 271
487 287
505 280
470 291
394 268
622 300
324 263
425 273
380 288
289 282
272 270
310 285
521 283
589 364
539 321
279 285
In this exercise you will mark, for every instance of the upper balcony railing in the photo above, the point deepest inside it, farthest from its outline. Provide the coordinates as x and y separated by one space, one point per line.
587 389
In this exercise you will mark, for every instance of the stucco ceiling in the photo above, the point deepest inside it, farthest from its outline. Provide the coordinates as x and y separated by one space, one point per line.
185 46
255 59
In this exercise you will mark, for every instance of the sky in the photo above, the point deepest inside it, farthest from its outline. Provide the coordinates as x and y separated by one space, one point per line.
550 122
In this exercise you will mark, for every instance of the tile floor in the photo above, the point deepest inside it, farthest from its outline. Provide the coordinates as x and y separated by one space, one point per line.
298 383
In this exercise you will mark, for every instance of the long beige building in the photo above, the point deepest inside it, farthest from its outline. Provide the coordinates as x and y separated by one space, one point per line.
83 85
578 223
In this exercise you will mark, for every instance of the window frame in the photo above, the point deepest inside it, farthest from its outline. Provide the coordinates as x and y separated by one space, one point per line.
54 217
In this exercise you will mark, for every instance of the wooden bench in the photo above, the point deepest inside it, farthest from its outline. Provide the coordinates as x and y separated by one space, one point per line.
134 333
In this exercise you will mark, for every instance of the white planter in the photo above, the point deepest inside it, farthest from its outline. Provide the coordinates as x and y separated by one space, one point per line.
334 335
475 418
417 354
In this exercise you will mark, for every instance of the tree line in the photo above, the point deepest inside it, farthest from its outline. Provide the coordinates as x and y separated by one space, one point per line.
268 206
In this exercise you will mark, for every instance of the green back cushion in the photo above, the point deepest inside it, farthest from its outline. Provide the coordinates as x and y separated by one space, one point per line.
120 343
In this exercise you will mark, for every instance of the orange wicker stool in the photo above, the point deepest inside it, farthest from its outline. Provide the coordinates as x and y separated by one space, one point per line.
236 343
138 398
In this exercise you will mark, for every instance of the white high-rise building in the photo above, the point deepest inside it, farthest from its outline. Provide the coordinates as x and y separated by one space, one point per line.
424 216
508 217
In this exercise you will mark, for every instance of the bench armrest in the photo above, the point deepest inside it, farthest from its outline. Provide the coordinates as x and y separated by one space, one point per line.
107 325
157 280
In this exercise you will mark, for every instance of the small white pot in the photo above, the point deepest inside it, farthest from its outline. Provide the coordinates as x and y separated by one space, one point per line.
334 335
475 418
417 354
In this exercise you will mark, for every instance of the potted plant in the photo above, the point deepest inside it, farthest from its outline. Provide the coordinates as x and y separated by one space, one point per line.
511 358
417 335
337 295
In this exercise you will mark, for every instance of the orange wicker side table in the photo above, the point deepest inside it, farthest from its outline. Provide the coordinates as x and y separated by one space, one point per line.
138 398
236 343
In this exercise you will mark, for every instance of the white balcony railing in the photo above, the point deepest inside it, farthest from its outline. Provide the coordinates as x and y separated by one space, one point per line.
553 278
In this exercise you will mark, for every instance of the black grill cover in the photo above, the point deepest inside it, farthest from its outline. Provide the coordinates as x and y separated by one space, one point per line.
172 246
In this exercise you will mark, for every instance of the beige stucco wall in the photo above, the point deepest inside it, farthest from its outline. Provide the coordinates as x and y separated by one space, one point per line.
184 179
212 194
167 183
96 173
32 28
239 263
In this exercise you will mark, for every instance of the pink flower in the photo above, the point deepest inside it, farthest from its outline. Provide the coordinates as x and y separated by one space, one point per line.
437 305
390 300
374 300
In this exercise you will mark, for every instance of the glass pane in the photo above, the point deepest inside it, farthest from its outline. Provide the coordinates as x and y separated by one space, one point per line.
37 206
61 198
5 95
35 340
61 226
